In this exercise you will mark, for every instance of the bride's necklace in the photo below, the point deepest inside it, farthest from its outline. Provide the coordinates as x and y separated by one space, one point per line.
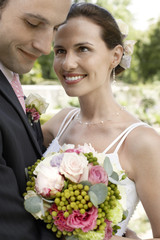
100 122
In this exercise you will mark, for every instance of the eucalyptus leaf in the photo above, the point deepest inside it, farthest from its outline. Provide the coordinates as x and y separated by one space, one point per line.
100 190
115 182
33 204
115 176
71 237
86 183
108 166
93 198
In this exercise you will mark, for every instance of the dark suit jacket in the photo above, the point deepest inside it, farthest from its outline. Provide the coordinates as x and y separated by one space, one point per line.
18 149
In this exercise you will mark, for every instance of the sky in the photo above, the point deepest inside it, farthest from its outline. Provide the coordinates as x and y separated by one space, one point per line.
143 11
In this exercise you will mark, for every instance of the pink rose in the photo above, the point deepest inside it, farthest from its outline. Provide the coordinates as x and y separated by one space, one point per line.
71 150
60 221
97 174
33 113
48 181
108 230
73 165
86 221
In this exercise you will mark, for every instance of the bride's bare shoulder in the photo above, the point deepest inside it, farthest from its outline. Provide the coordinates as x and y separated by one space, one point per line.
143 144
55 122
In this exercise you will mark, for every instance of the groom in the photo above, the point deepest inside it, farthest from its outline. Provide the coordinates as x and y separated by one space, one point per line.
27 30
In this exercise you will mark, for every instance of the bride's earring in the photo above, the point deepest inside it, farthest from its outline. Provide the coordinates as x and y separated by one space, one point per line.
114 76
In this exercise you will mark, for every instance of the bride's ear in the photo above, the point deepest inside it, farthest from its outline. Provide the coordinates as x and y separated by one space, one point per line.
117 55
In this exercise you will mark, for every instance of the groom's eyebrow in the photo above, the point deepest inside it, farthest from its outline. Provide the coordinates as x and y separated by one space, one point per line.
38 17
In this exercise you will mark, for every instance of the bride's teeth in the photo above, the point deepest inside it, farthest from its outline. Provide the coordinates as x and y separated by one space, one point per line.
73 78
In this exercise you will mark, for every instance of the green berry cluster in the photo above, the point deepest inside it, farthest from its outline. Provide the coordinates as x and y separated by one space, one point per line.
91 158
31 179
32 168
75 197
109 203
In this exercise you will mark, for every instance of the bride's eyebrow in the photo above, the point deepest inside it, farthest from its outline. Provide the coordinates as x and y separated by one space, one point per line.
75 45
58 46
83 43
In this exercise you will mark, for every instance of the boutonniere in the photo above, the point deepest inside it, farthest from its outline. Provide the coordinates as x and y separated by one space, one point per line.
35 106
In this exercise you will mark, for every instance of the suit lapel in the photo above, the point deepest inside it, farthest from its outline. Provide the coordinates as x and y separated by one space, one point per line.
7 91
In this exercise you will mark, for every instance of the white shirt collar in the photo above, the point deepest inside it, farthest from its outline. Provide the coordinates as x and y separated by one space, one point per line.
8 74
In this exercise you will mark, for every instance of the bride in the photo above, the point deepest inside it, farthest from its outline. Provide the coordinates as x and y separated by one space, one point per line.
89 52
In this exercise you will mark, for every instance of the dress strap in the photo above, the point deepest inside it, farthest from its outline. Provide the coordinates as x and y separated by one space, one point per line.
64 123
123 136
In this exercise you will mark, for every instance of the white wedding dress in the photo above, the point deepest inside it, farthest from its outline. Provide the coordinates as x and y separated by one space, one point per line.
130 198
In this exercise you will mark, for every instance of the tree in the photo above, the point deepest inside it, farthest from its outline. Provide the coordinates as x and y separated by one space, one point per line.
148 54
46 63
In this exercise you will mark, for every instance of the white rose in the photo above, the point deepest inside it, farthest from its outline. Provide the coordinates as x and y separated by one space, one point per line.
125 61
73 166
129 46
123 27
35 100
48 181
45 162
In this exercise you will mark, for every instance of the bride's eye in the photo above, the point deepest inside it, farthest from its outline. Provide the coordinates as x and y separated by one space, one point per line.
59 51
83 49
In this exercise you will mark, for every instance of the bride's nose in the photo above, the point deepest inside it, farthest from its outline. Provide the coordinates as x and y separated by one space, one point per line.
69 62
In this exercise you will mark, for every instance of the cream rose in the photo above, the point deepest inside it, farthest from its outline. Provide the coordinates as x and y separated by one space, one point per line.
123 27
48 181
73 166
35 100
129 46
46 162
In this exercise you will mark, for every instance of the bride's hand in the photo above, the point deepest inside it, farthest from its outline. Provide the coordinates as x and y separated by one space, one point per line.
128 235
131 234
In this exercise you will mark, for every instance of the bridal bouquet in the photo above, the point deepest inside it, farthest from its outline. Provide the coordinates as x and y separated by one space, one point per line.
75 192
